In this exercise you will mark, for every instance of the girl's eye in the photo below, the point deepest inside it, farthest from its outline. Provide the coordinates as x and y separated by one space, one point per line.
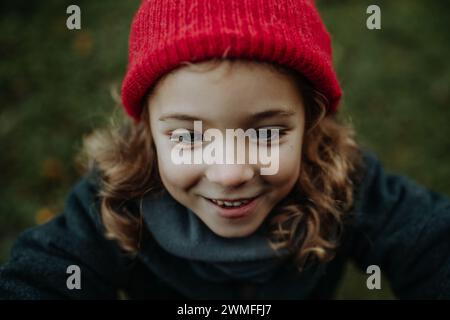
191 138
269 134
186 137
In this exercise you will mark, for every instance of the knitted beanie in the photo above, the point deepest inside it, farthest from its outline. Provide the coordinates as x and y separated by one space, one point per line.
165 33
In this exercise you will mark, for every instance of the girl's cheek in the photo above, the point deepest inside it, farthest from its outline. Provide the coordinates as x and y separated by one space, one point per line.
180 176
289 166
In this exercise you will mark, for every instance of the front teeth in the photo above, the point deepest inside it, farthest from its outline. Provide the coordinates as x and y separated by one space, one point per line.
230 203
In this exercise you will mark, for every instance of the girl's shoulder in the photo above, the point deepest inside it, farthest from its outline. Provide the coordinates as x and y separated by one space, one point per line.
42 256
404 228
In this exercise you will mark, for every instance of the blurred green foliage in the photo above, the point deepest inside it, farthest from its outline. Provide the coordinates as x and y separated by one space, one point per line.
55 87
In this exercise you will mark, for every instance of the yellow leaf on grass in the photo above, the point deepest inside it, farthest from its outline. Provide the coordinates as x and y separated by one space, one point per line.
43 215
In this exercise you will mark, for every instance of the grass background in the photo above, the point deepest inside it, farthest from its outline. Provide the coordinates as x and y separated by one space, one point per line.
55 87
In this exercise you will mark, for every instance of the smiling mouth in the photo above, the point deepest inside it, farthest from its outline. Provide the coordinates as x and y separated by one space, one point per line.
230 204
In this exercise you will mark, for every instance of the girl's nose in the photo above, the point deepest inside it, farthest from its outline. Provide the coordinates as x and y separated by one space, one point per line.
230 175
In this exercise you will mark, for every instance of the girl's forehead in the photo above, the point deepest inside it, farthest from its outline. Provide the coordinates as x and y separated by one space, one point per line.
224 85
217 71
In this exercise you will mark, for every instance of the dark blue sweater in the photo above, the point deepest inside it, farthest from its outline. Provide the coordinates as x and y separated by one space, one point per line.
398 225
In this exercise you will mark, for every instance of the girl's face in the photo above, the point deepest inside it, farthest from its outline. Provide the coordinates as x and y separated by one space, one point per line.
240 96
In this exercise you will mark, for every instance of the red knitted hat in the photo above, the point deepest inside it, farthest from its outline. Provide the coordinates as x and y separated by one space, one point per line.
165 33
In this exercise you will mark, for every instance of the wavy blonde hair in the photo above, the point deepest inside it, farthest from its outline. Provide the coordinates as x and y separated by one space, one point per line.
309 221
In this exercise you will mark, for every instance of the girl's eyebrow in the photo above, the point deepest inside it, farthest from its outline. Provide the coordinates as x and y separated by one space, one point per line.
179 116
272 113
255 117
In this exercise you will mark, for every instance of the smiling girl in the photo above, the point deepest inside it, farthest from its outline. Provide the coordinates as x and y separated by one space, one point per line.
140 223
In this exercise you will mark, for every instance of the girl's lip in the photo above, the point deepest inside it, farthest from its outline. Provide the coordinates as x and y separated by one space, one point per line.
236 212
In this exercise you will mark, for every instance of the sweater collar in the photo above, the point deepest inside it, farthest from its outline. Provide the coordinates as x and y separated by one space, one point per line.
177 236
179 232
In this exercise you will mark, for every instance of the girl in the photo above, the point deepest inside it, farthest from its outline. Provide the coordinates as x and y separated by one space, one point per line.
140 224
